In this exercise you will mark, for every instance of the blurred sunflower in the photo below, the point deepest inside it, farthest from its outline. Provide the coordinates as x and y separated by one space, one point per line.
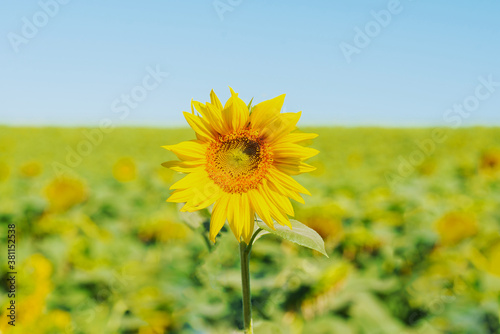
326 220
456 226
242 162
163 230
31 169
322 295
490 162
124 170
64 193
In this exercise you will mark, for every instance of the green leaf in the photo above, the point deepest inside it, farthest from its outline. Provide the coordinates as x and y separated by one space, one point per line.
249 106
299 234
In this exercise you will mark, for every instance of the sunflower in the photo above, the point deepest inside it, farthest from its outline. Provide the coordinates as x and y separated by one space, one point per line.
242 162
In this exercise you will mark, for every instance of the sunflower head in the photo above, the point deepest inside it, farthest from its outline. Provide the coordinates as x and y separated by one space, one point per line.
239 161
490 162
242 162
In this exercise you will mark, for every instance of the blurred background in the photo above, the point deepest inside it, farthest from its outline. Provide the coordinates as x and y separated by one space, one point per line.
404 95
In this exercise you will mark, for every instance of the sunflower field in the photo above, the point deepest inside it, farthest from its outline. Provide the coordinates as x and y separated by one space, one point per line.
410 219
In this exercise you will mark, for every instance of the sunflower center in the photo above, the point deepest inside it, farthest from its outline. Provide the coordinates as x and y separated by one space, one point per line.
238 162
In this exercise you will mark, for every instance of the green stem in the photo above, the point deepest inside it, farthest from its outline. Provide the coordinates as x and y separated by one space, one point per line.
245 284
207 242
252 240
204 235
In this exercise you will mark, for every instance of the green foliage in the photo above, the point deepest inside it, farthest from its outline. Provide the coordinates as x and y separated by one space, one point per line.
299 234
100 251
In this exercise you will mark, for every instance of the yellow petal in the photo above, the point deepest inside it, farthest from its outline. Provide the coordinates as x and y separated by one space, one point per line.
191 180
233 214
202 110
286 151
211 115
180 196
218 218
184 166
216 115
235 113
246 218
297 137
260 206
280 126
200 126
294 168
203 195
286 181
265 111
188 150
279 188
247 236
215 100
276 213
200 107
280 201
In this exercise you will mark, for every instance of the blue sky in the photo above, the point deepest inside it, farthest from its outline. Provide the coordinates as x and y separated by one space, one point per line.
85 56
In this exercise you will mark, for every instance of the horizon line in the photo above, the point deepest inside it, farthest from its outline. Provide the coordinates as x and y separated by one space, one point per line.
318 126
